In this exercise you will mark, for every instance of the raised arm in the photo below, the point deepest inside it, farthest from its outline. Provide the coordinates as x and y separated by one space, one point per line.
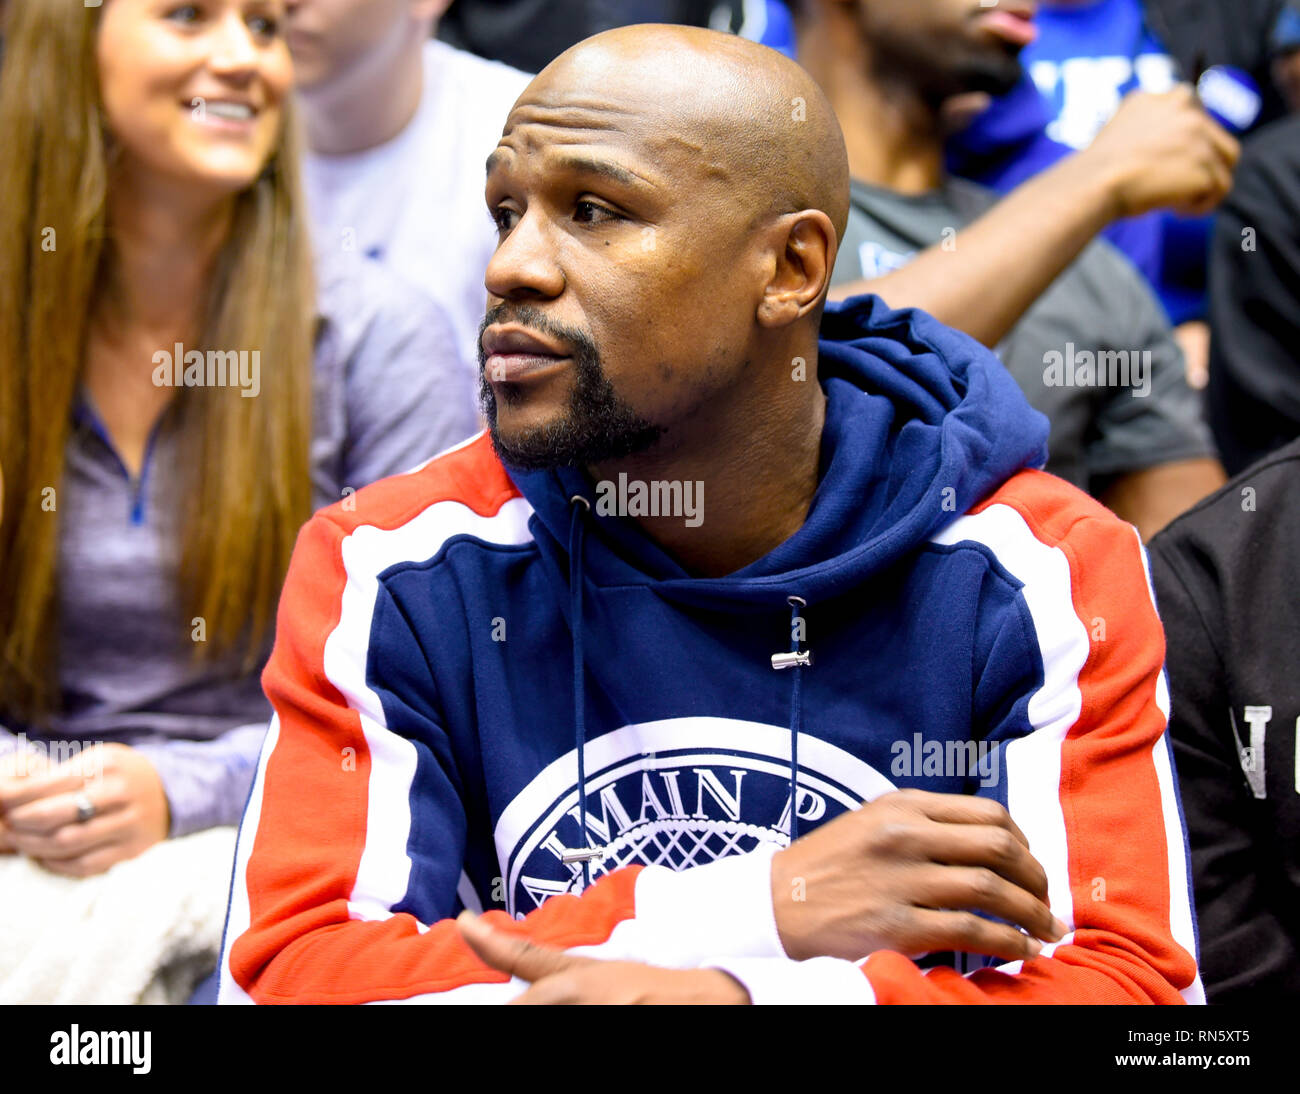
1158 151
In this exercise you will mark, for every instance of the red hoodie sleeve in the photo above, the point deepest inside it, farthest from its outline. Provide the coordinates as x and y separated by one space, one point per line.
1091 783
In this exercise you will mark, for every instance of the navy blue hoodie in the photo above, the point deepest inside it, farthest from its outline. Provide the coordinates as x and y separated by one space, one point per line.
494 691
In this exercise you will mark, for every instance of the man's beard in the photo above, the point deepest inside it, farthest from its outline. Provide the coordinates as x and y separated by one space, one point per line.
939 66
990 73
599 425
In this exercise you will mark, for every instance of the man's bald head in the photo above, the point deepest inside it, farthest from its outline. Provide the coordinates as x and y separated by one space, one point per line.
669 202
744 115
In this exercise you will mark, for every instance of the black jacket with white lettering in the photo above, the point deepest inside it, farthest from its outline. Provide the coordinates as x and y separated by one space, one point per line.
1225 577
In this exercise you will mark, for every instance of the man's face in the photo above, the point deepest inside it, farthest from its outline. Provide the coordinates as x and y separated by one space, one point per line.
620 296
949 47
330 37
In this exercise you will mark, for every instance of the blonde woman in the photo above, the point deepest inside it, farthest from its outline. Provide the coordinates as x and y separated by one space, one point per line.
176 395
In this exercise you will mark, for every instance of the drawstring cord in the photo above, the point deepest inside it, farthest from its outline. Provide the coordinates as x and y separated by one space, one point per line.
797 659
576 528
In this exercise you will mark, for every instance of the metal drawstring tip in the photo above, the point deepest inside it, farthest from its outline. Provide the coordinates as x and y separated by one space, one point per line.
801 660
582 854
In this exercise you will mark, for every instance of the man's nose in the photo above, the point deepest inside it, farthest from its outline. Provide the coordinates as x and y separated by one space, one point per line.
525 264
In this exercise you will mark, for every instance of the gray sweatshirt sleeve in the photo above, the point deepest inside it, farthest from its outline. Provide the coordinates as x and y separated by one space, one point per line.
207 782
1157 419
391 389
409 396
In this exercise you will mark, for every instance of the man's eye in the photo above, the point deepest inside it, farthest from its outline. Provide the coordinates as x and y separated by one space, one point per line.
588 212
502 218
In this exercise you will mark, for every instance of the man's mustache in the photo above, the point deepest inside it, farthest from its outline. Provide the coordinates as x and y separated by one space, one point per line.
536 320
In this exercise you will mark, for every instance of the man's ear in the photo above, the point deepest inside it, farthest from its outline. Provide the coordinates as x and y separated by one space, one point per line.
804 258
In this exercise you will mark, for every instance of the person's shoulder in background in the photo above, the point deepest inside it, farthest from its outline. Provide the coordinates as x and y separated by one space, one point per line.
1223 573
479 92
390 388
1223 530
1254 382
1102 304
1230 606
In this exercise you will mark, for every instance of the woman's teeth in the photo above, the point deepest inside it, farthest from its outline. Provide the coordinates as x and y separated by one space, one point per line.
234 111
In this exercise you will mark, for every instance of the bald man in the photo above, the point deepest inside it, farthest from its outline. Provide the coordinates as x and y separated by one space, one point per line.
726 658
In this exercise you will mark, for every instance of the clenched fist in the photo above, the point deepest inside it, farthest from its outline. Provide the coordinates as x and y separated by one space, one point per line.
1164 151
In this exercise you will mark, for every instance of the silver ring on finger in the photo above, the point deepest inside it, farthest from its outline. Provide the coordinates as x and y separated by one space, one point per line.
85 808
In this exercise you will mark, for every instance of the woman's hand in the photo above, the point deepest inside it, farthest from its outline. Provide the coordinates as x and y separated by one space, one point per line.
41 811
18 763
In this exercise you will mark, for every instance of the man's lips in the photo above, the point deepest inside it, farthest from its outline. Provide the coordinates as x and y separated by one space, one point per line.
511 353
1011 25
509 368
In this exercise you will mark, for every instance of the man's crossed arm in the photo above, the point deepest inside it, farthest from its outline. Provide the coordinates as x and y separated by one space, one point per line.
906 872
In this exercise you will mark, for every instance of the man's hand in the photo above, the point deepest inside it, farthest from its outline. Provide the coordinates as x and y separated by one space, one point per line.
557 977
905 872
1164 151
131 811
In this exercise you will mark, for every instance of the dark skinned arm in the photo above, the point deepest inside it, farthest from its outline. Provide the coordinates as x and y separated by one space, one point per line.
1158 151
1150 499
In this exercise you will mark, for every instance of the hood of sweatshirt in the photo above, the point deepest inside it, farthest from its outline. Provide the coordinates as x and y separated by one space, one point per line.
922 422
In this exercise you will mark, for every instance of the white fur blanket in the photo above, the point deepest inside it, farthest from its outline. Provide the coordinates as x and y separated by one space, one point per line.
147 931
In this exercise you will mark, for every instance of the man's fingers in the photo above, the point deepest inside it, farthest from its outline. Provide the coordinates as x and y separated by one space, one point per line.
994 848
932 931
1221 174
550 991
1226 147
975 889
959 809
512 954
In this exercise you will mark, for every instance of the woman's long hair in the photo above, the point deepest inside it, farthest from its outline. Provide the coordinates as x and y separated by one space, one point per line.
245 477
